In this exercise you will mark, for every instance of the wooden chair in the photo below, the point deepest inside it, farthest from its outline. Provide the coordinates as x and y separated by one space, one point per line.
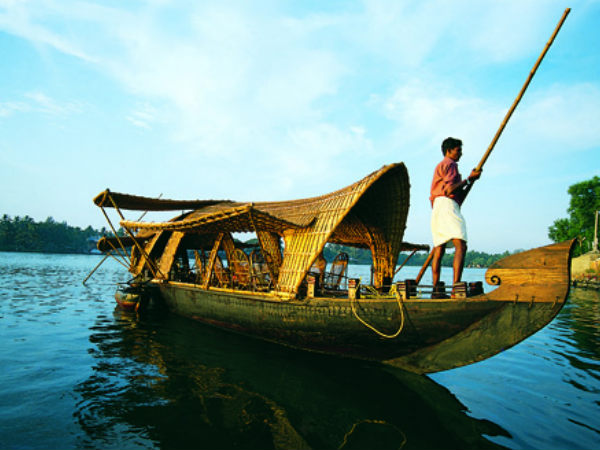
337 272
200 265
261 277
319 270
220 273
240 269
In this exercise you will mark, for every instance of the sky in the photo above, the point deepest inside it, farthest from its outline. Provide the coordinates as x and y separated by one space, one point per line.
279 100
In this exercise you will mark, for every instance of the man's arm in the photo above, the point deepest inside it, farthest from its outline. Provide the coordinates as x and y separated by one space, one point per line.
463 183
461 188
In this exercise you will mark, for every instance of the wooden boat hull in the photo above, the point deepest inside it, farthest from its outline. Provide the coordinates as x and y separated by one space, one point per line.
134 298
436 334
127 300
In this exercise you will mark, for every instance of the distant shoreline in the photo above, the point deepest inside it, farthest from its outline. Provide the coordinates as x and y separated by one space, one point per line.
354 263
24 235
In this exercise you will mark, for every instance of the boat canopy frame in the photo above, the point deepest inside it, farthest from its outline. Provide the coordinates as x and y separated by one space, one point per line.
370 213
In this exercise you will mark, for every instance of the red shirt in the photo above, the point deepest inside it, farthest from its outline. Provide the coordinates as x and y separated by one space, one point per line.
445 175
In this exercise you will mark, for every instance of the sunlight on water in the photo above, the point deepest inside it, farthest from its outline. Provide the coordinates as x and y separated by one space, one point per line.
78 373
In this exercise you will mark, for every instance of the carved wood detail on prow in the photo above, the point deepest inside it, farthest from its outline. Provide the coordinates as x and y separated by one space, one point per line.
538 275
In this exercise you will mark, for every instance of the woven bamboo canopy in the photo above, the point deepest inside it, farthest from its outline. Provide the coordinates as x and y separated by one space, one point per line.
370 213
109 199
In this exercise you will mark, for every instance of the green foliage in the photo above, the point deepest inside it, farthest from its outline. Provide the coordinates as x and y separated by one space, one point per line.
472 259
355 255
23 234
363 256
585 201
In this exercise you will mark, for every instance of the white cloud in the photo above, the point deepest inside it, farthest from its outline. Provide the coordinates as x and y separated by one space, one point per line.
502 31
143 116
230 76
550 121
20 18
9 108
38 102
401 33
229 73
43 103
562 118
407 34
428 112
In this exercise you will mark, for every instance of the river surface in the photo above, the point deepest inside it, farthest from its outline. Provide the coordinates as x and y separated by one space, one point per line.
75 372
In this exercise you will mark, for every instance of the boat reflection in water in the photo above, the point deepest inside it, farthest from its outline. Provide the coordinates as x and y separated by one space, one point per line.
162 381
582 317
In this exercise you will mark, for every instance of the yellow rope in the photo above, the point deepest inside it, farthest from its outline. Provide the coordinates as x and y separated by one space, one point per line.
372 291
394 292
378 422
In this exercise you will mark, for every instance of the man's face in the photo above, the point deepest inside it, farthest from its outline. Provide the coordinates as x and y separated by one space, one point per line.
454 153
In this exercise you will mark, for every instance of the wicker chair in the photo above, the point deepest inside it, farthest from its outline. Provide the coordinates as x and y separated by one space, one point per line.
240 269
221 275
319 269
261 277
358 215
337 272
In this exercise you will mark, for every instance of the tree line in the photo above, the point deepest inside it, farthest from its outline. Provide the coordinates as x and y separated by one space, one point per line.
363 256
580 225
23 234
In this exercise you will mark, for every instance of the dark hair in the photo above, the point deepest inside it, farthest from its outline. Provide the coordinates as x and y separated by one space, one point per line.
449 144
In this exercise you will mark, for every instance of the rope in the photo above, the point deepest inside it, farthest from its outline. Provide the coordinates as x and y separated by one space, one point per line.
394 292
378 422
373 293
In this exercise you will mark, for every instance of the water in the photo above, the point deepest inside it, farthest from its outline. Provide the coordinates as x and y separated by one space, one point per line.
78 373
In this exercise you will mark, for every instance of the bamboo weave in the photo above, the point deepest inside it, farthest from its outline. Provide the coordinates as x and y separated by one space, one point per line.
136 202
370 213
242 218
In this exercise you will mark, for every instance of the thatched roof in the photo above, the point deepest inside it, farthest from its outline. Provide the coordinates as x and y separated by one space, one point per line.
138 203
227 216
370 213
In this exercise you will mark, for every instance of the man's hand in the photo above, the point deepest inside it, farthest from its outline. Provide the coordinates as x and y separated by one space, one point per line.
475 174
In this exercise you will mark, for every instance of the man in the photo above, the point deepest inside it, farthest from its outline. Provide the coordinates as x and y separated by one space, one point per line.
448 191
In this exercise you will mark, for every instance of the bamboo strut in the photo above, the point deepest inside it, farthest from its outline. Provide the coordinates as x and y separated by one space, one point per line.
146 212
151 266
125 263
112 228
211 260
506 119
96 268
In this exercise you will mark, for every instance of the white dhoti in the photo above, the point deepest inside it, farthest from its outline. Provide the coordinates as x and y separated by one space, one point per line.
447 222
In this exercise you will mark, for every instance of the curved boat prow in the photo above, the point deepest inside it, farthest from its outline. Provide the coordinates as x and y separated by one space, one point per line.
542 274
532 288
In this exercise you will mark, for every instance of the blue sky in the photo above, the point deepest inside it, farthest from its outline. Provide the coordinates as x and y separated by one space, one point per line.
276 100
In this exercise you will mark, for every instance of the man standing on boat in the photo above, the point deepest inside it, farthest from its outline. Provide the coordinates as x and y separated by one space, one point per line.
448 191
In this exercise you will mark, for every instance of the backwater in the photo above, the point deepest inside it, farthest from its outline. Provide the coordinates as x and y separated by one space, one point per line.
76 372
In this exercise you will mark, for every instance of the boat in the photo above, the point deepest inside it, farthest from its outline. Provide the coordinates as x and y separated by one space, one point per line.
274 291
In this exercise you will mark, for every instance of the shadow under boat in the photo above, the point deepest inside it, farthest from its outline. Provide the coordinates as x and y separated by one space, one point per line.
164 381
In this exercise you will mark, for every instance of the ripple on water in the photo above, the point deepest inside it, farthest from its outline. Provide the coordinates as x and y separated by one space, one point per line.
76 374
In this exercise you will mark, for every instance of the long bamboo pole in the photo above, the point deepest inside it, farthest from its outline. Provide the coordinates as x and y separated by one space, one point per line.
523 89
405 261
424 267
506 119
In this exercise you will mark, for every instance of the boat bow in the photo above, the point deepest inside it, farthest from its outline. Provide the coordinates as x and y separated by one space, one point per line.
532 288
